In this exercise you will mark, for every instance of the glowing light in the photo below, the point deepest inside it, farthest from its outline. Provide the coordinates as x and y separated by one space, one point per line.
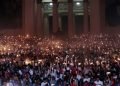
27 36
27 61
97 62
79 63
40 60
118 59
4 48
19 45
78 3
51 4
9 49
18 55
91 63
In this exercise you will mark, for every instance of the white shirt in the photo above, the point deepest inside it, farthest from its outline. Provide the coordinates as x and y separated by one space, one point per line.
9 84
31 72
86 79
98 83
78 77
53 74
43 83
20 72
68 68
61 76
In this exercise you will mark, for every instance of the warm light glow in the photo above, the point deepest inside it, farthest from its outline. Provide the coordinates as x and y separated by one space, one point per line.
27 61
22 45
97 62
51 4
78 3
118 59
27 36
18 55
91 63
40 60
4 48
79 63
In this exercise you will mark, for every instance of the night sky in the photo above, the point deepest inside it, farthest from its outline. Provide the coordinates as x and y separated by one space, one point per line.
10 11
10 8
112 14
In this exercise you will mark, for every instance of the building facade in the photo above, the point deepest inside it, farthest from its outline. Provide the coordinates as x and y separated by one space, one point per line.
65 17
70 17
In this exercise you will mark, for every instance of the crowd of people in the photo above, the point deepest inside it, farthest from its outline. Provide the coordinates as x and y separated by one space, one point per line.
87 60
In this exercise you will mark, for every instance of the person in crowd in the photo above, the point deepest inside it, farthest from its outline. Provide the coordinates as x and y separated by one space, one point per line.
86 60
98 82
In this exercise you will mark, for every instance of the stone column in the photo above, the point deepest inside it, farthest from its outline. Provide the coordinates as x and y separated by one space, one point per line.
55 16
86 16
28 16
39 19
46 25
71 28
60 23
95 15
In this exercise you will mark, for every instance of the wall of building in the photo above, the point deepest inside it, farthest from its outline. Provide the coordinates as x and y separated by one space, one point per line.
28 24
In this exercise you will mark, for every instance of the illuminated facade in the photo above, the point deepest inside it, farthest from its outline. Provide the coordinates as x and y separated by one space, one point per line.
70 17
67 17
